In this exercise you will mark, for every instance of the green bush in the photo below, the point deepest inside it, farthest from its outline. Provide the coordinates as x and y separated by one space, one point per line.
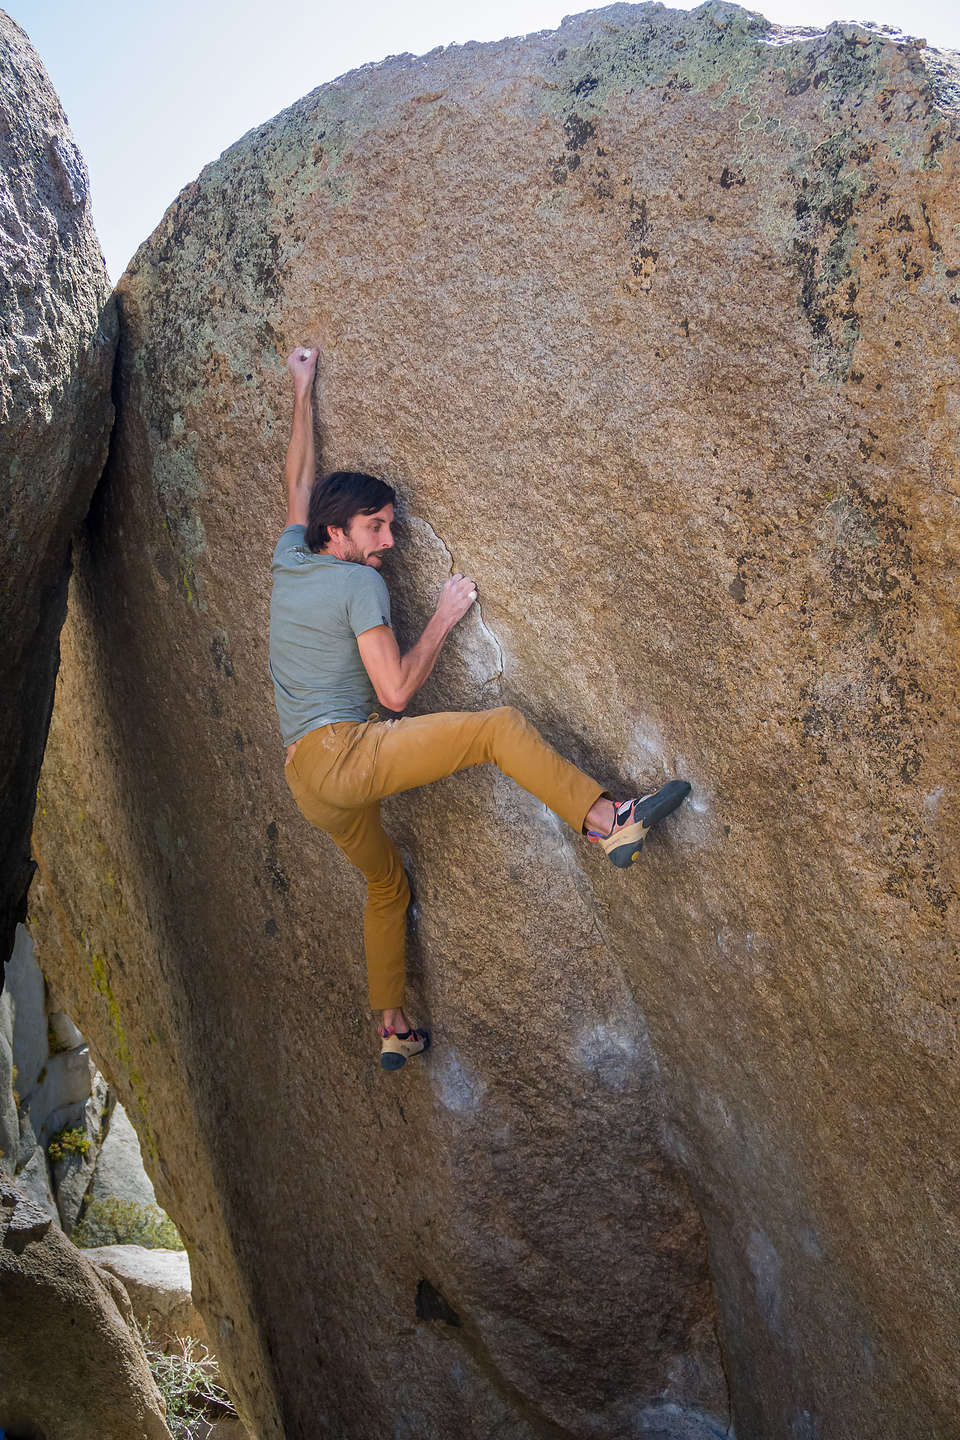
124 1222
188 1380
68 1142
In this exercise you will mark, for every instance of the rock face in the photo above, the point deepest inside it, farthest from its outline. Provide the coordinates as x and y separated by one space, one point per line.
63 1136
57 340
50 1086
158 1284
120 1173
71 1363
653 320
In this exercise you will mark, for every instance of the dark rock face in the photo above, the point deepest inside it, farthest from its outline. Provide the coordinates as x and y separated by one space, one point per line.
57 340
654 322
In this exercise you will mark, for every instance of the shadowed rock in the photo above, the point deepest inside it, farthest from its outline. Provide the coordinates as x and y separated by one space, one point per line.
653 320
57 340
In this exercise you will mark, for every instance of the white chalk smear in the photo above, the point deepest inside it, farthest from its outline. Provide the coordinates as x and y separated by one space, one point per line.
455 1087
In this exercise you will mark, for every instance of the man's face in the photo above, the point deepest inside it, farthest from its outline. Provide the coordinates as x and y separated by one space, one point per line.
367 538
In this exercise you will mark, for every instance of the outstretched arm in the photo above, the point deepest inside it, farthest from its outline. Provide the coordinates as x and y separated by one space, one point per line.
396 678
301 459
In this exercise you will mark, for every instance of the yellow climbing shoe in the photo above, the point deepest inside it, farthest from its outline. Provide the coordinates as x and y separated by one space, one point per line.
633 818
397 1047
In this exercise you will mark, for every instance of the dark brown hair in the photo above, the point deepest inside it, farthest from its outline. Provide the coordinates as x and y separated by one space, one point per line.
337 497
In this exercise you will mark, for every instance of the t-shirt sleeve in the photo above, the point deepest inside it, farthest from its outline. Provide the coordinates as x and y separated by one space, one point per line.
292 539
368 603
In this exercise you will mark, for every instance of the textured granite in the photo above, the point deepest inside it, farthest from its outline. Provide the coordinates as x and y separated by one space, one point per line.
57 341
654 322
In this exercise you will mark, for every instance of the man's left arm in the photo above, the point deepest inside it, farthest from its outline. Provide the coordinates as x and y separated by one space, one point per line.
301 458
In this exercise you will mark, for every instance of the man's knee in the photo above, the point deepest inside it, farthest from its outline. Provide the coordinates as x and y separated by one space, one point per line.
508 717
389 888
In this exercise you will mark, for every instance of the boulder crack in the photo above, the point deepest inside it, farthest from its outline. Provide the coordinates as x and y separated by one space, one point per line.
490 634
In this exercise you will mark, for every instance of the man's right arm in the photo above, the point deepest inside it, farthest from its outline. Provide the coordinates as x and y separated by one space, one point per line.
396 678
300 475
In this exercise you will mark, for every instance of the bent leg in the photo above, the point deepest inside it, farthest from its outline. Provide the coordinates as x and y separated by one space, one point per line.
366 845
423 748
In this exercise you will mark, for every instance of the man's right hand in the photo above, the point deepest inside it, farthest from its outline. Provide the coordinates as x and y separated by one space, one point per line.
302 364
457 596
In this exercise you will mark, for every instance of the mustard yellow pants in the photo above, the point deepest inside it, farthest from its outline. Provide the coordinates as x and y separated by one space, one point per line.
339 774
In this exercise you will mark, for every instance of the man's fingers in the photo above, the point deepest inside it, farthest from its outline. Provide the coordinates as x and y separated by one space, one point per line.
463 586
302 355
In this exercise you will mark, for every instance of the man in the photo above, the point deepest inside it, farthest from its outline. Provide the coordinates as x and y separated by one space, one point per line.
333 656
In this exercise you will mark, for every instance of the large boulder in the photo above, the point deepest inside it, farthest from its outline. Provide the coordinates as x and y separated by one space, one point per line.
654 322
57 342
71 1362
158 1284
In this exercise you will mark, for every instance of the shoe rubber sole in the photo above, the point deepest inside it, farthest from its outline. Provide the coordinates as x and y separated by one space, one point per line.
391 1060
647 813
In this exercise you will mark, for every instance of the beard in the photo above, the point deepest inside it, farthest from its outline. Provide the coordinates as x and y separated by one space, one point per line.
358 557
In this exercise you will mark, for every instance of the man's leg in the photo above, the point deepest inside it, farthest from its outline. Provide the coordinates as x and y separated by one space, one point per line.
339 774
402 754
366 845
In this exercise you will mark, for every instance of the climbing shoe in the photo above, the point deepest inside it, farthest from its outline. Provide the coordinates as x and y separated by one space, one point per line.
633 818
397 1046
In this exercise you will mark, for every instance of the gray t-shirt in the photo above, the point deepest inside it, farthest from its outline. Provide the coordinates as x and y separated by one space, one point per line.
318 608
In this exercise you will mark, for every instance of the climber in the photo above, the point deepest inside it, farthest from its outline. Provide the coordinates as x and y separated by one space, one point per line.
333 656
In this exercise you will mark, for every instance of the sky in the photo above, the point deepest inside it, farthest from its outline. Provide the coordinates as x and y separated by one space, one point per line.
153 92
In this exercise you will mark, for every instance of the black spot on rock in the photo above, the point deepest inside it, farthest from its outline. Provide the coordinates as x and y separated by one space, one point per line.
578 131
729 178
430 1305
221 658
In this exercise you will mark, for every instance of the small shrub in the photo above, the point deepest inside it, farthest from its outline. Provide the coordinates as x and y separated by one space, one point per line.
189 1382
68 1142
124 1222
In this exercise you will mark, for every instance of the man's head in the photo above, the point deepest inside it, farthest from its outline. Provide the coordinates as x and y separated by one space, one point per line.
351 516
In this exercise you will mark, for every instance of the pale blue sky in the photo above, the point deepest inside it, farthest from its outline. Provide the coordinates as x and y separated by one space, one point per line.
155 91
